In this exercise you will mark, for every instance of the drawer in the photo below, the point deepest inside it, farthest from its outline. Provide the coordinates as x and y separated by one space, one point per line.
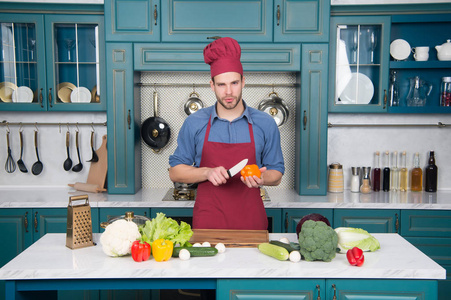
429 223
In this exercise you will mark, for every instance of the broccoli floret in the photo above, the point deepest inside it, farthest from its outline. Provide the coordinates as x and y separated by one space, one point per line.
317 241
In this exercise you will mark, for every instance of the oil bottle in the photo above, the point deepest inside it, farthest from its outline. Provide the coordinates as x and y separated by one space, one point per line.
394 173
431 174
416 180
377 173
403 174
386 173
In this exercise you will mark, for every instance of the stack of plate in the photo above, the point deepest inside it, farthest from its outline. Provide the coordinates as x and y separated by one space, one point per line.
6 91
68 92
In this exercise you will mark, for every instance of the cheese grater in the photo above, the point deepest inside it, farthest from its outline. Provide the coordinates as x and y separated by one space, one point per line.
79 223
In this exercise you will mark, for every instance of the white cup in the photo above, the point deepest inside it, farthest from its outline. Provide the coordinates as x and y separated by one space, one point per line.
420 53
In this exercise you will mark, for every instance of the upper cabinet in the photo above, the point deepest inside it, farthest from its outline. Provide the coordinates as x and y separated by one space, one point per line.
301 20
263 21
61 72
359 59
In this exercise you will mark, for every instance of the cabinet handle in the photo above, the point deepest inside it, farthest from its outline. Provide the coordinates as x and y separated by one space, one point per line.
50 97
319 297
385 99
397 223
41 98
216 37
305 119
278 15
36 222
286 222
335 292
25 221
155 14
129 120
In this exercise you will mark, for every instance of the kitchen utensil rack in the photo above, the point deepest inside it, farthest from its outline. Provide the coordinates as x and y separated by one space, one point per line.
208 85
6 123
438 125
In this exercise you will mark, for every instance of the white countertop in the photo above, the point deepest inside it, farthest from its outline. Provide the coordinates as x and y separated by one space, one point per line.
36 197
49 258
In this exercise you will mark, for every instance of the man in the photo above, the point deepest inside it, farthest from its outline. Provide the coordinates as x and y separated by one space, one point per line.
216 138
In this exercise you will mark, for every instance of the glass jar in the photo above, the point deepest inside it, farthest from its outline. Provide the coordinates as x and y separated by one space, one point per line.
336 184
445 91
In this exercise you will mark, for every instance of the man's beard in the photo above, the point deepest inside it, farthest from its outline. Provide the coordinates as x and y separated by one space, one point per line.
226 106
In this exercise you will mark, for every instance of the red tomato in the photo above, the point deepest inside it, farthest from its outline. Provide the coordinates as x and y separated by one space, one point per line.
355 256
140 251
251 170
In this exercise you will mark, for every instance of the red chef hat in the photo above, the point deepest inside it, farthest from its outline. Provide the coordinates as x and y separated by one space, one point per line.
223 55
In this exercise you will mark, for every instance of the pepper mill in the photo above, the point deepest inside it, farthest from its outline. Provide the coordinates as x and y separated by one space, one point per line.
365 188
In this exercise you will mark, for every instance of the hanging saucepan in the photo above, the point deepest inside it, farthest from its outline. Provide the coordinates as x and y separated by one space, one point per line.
275 107
193 103
155 131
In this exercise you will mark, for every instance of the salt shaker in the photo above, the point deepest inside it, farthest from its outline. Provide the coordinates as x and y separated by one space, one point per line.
355 179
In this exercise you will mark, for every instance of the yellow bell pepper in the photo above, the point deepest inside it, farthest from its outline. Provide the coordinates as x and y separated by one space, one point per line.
162 249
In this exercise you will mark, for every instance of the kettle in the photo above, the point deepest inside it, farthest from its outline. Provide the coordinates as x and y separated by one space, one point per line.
444 51
418 92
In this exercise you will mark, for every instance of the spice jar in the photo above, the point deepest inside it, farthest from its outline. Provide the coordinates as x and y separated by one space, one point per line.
445 91
355 179
335 184
365 188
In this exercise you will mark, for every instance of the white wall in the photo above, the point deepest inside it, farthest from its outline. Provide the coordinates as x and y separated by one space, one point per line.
355 146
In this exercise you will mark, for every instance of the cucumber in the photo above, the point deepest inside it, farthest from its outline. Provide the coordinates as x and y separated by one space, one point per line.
284 245
196 251
275 251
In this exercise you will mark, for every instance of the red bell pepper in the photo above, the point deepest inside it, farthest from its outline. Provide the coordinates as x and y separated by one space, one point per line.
140 250
355 256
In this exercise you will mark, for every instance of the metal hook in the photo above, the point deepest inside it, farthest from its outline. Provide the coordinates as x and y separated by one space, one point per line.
77 127
194 87
36 126
59 127
68 129
7 128
92 127
20 127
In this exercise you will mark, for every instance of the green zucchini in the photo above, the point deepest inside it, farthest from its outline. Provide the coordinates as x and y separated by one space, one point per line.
196 251
275 251
284 245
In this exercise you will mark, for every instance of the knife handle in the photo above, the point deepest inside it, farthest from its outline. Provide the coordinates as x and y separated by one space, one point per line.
228 172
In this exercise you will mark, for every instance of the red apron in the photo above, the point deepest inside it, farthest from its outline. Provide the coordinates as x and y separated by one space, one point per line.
231 205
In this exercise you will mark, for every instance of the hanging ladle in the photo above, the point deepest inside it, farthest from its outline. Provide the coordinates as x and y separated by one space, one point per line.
68 162
37 167
94 158
20 162
78 167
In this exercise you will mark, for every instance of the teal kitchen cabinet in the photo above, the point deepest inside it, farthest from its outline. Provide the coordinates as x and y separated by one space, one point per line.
339 289
21 227
421 30
301 20
430 232
372 220
292 216
203 21
132 20
124 118
359 57
311 121
52 62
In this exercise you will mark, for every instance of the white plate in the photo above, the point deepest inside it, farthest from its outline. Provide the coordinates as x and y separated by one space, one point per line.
359 90
400 49
23 94
80 95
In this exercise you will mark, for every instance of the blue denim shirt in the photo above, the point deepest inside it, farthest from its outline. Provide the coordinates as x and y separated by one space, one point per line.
190 140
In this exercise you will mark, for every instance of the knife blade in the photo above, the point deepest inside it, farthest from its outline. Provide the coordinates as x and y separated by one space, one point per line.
237 168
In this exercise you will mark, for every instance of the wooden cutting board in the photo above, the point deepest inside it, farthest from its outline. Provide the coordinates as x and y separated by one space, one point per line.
230 238
98 170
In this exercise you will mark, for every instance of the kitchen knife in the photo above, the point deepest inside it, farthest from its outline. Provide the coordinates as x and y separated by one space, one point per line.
237 168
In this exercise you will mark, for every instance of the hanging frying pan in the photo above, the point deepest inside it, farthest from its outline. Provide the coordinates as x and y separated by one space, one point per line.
155 131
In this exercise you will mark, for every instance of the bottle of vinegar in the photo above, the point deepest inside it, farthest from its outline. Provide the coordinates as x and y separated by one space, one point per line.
416 180
386 173
394 173
403 174
377 174
431 174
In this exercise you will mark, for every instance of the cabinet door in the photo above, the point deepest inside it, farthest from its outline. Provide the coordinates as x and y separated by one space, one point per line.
257 289
373 221
22 63
203 21
359 63
124 121
311 125
294 215
427 223
301 20
75 63
381 289
132 20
